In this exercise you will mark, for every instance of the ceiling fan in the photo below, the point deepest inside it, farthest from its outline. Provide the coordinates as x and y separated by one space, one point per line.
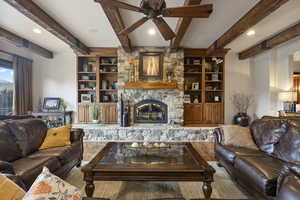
156 10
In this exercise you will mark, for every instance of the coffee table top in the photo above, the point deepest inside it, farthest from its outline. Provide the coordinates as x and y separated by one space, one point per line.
122 157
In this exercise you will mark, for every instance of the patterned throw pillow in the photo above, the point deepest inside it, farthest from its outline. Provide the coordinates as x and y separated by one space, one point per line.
50 187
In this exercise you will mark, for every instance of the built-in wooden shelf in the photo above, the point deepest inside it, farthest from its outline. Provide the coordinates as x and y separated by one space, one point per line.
86 80
86 89
150 85
192 64
108 72
214 90
103 64
212 81
192 72
192 90
213 72
86 72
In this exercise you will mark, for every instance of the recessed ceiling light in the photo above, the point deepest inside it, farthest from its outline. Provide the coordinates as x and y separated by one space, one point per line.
36 30
152 31
251 32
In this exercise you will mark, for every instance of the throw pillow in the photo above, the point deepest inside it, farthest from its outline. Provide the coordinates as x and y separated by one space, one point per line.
57 137
288 147
267 133
237 136
49 186
9 190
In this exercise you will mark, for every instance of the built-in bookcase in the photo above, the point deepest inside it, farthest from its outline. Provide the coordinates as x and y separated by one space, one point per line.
97 82
204 88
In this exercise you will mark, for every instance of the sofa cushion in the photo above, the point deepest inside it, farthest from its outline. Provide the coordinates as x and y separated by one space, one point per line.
237 136
288 148
267 133
260 172
57 137
231 152
63 154
10 190
29 133
29 168
9 149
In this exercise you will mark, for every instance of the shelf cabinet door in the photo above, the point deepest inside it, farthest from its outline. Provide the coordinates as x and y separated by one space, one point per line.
213 113
84 113
193 113
108 113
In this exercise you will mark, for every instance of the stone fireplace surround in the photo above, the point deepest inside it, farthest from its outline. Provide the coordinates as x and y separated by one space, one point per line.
173 98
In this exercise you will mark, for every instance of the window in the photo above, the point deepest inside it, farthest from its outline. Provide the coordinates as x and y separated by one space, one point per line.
6 87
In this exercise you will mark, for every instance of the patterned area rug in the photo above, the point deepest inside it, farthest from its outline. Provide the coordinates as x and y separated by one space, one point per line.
223 188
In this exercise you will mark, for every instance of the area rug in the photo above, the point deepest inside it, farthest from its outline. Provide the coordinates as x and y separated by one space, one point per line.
223 188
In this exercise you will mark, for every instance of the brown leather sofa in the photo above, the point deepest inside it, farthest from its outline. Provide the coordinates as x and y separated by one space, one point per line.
20 157
258 171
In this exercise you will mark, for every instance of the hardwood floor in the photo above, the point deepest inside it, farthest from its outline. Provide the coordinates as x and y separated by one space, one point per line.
205 149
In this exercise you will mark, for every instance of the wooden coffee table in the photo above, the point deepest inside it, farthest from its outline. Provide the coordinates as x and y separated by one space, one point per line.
121 162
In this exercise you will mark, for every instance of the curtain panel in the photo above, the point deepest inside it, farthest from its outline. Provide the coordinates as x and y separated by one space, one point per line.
23 85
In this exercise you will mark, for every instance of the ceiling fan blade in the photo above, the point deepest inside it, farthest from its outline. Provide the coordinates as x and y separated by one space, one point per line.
134 26
164 28
120 4
195 11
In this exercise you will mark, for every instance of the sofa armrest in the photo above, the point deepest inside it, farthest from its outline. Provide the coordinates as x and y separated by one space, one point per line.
77 134
290 169
6 168
218 135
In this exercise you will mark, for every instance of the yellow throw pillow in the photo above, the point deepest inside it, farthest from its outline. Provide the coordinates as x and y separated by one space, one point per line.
57 137
9 190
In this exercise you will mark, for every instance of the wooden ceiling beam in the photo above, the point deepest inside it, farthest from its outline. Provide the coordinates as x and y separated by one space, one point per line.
39 16
22 42
116 21
261 10
282 37
182 25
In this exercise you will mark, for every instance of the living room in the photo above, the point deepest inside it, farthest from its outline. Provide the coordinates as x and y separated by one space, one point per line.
149 99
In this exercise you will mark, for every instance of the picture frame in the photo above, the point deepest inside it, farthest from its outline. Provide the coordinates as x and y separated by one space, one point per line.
51 104
195 86
154 59
86 98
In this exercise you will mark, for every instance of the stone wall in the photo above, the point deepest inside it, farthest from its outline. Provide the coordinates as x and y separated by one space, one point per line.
172 97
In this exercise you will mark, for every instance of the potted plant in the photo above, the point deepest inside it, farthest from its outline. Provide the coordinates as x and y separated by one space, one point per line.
242 103
95 114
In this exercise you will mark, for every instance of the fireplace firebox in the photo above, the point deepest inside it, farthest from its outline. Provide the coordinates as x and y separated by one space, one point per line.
150 111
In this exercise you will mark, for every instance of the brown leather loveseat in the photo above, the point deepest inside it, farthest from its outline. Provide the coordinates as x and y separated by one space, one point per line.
262 172
21 159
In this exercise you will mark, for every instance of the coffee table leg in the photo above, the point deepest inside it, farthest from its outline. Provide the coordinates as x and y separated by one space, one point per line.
89 188
207 190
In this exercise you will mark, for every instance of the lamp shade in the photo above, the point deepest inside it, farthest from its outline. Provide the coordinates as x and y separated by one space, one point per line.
288 96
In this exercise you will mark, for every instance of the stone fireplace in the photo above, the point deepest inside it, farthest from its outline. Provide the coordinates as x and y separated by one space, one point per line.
150 111
171 98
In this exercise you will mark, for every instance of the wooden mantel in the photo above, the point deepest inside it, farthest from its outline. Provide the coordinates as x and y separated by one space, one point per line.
150 85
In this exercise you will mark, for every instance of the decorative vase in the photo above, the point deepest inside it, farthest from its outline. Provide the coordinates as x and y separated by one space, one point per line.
95 121
241 119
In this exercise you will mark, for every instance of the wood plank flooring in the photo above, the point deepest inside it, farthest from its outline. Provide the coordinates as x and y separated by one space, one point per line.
205 149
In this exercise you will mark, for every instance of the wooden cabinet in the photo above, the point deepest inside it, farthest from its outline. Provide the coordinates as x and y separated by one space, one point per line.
213 113
193 113
109 113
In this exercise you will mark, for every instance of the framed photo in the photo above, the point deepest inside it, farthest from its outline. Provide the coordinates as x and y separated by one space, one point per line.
86 98
195 86
52 104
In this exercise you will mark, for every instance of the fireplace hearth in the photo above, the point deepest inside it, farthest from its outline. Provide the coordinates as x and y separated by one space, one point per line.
150 111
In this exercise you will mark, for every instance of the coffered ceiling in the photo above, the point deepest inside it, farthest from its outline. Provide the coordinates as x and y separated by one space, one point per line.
86 20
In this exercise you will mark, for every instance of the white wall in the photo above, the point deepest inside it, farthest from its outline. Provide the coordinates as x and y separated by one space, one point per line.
57 78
